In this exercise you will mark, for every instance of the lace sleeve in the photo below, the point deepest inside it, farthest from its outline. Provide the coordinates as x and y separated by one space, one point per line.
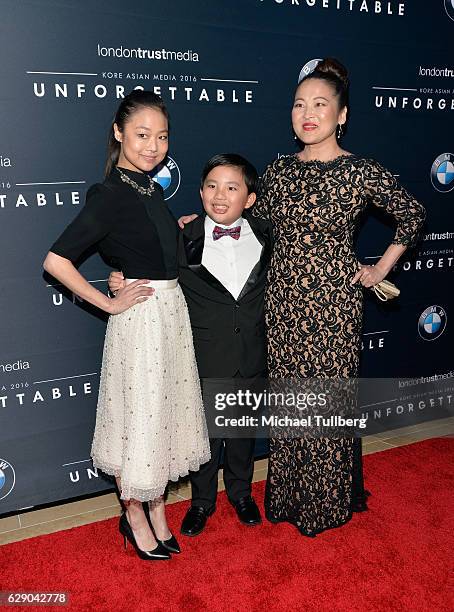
262 206
383 191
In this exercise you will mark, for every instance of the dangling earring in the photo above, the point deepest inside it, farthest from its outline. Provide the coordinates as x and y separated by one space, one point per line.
295 137
340 132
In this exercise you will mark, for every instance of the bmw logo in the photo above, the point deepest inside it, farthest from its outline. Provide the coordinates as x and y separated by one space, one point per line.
308 68
449 8
442 172
432 323
168 176
7 478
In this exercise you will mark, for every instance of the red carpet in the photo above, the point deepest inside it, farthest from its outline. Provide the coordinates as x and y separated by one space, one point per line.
395 557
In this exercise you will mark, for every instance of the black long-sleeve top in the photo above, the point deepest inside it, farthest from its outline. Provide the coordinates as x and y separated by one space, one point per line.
134 233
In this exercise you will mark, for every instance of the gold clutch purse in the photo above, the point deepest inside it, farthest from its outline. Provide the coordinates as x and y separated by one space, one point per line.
385 290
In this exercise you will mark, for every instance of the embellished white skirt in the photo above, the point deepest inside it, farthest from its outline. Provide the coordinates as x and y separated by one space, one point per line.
150 422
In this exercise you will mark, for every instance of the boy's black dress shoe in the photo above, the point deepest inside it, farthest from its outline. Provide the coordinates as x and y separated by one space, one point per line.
247 511
195 520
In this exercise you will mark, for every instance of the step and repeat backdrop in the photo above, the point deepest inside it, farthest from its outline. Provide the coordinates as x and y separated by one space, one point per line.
227 70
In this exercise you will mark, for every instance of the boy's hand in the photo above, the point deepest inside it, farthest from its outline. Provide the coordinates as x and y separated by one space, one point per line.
116 281
185 219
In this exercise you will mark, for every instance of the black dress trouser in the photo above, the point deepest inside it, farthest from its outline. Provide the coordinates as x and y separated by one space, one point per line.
238 469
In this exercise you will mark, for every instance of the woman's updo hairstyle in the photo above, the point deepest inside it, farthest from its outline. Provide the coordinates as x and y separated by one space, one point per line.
334 73
134 101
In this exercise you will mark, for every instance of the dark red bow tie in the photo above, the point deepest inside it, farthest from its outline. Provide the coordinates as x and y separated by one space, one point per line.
233 232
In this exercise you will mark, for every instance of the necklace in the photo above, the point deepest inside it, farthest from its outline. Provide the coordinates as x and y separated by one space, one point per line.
143 190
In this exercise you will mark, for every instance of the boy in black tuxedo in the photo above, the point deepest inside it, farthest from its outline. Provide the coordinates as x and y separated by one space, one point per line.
223 257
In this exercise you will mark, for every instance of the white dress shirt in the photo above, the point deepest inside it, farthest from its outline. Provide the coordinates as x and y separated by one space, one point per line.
231 261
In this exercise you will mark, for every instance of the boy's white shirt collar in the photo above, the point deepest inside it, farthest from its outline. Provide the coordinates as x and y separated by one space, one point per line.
210 223
231 261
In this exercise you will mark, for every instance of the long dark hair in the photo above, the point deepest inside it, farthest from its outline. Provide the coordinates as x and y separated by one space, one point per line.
133 102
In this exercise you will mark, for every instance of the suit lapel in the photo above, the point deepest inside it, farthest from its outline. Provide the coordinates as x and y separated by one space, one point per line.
194 240
193 245
261 266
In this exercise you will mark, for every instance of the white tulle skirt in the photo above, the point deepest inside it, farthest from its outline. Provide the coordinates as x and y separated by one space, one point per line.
150 422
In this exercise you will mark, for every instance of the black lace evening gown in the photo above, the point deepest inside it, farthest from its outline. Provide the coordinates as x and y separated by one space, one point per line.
314 318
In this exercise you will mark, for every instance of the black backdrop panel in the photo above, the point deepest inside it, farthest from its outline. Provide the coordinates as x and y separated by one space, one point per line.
227 69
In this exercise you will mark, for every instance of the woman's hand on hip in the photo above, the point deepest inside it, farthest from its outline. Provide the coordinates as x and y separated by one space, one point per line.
368 276
132 294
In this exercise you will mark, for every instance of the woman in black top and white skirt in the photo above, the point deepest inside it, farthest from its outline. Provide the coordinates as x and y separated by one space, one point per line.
150 424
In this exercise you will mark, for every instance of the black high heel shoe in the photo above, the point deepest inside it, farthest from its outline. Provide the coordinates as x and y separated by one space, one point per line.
160 553
171 543
359 501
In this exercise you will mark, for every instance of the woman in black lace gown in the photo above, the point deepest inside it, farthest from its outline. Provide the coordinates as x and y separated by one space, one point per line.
314 299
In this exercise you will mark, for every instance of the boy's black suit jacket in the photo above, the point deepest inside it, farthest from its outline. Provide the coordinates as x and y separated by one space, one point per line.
229 334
